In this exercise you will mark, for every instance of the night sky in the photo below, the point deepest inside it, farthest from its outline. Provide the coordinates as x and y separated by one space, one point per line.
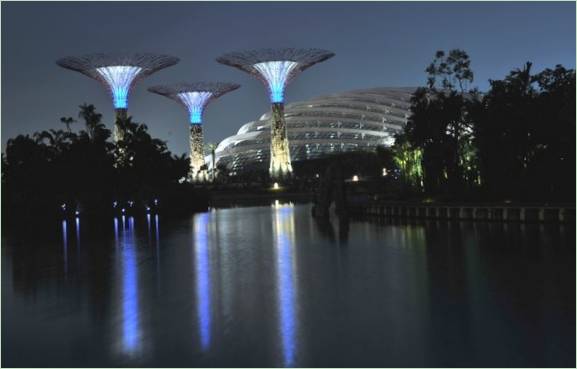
376 44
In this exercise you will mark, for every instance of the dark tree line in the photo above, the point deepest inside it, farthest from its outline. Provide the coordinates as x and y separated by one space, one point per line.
84 168
517 141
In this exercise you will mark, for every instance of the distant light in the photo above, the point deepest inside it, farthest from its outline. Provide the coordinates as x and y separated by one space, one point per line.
130 203
155 201
123 210
182 179
385 172
317 175
119 79
77 213
275 186
114 204
195 102
276 75
63 206
355 178
147 208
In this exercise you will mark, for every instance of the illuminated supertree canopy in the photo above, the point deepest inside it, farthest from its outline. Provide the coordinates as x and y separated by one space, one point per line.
275 67
194 96
118 72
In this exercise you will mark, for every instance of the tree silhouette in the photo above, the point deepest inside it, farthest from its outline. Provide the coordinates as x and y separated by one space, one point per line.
42 171
524 131
515 141
67 121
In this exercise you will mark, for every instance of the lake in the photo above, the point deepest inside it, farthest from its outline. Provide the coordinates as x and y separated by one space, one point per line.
270 286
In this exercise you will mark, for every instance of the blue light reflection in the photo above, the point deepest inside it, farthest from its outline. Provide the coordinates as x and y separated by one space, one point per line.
130 309
283 220
202 265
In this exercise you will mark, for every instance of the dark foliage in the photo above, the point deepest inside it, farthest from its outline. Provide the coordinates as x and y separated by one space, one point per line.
524 128
517 141
84 169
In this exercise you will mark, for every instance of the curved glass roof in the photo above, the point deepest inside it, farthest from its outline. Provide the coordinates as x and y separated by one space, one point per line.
359 120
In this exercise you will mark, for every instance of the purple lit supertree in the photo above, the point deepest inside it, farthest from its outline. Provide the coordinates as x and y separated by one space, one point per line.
276 68
195 97
118 73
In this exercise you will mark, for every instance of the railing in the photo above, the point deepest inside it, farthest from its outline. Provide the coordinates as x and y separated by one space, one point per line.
539 214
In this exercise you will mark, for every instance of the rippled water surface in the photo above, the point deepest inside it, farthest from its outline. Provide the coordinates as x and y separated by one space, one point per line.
269 286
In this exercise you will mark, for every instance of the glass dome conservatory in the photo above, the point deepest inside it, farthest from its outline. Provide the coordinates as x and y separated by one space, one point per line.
359 120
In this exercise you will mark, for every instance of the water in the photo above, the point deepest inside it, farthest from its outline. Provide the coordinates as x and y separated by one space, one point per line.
269 286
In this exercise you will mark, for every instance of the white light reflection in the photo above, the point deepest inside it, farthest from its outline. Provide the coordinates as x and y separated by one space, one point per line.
202 266
65 242
148 226
284 233
116 230
78 232
157 239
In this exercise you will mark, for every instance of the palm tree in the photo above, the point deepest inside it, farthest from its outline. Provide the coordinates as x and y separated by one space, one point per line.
92 119
67 121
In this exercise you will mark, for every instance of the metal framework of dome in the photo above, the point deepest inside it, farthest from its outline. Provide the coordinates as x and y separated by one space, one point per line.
174 91
247 59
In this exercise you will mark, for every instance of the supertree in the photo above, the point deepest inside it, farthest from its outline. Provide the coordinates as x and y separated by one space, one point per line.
195 97
276 68
118 73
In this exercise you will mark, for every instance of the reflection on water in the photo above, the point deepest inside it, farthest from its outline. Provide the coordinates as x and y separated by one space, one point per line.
202 268
65 245
148 226
270 286
284 242
128 299
78 232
